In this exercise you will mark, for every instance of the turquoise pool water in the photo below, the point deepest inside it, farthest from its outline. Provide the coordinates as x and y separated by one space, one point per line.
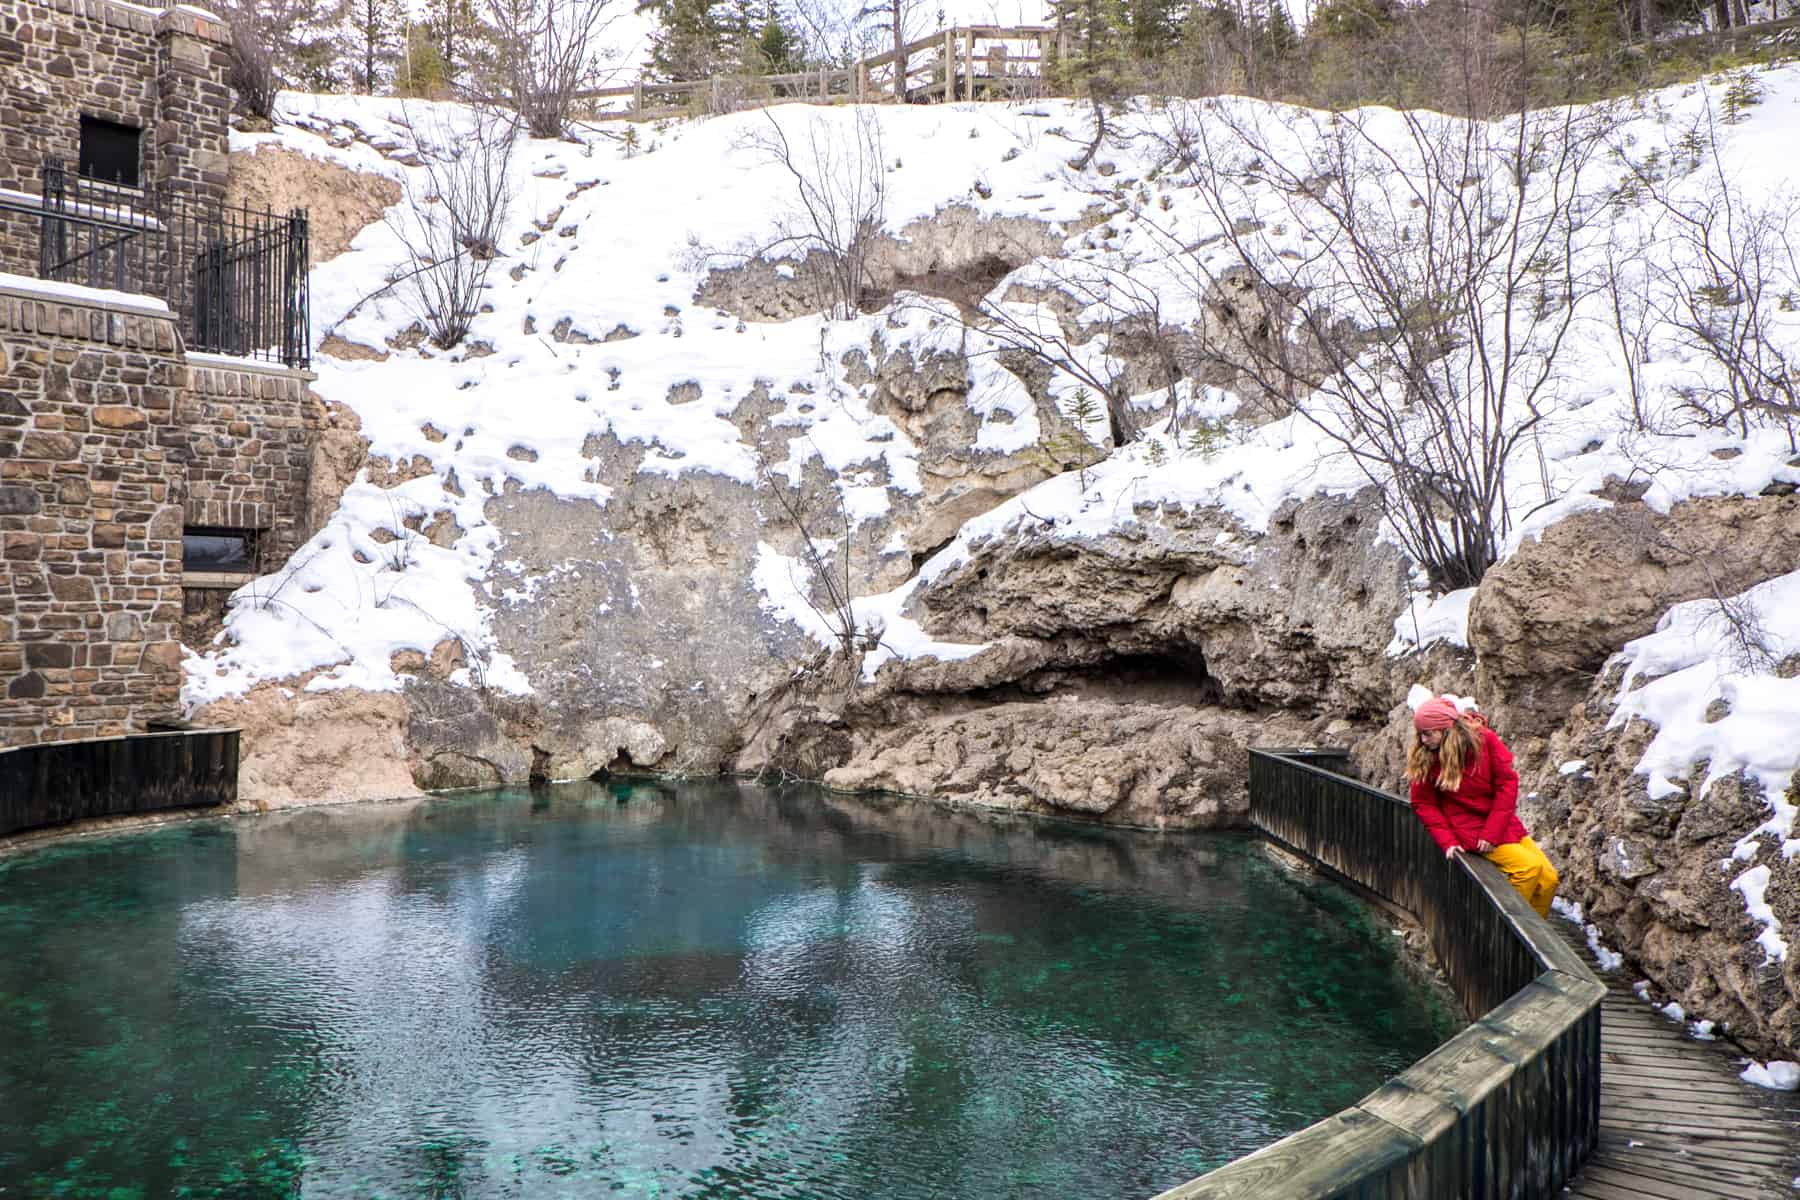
706 990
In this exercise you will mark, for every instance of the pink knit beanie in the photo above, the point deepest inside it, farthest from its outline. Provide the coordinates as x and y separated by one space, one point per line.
1439 712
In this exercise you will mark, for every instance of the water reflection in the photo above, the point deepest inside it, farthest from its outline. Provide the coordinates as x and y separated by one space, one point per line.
707 990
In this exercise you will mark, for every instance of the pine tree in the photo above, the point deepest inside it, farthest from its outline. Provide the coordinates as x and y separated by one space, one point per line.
378 26
1092 33
421 73
455 30
1279 33
766 43
1152 26
692 41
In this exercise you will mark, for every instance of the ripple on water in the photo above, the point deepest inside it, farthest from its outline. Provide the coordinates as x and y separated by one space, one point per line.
713 990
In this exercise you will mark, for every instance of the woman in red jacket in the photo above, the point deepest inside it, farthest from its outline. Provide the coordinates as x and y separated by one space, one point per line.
1466 794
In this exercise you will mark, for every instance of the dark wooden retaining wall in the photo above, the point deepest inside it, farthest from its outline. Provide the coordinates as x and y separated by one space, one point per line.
1508 1108
53 783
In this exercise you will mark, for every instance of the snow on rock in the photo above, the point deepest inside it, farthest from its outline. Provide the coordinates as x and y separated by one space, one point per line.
1430 619
1605 957
1715 682
1778 1075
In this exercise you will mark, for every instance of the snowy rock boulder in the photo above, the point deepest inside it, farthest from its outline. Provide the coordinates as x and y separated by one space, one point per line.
1544 620
1298 617
1668 802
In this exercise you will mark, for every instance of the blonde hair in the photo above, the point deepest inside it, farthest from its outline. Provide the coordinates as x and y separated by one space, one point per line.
1459 748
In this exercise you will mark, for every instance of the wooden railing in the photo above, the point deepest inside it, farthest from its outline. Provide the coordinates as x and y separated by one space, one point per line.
1510 1107
54 783
969 62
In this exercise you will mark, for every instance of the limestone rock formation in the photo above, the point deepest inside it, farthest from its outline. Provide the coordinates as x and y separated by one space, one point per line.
301 747
339 202
1298 618
1544 620
1123 676
957 254
1132 764
336 454
1654 873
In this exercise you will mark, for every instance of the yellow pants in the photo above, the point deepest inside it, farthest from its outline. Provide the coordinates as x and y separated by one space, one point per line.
1528 871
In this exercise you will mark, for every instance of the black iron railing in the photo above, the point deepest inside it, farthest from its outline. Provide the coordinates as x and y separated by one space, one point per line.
235 277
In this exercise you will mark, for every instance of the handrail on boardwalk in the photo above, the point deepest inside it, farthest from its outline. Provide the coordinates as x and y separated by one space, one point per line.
1510 1107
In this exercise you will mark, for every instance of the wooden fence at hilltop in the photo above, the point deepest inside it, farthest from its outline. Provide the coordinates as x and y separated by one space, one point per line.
970 62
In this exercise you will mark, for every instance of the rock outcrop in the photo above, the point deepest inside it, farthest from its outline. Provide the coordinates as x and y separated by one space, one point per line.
1654 872
1296 618
1158 765
1123 676
957 254
301 747
1545 620
339 203
336 454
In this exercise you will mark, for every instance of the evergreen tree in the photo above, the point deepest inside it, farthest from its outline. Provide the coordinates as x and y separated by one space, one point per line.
1153 26
421 73
1093 36
766 43
379 33
1278 30
455 31
692 43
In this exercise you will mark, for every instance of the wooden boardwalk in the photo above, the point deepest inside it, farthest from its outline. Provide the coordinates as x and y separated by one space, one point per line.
1676 1122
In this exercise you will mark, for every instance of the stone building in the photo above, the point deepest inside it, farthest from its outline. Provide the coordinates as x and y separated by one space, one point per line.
155 430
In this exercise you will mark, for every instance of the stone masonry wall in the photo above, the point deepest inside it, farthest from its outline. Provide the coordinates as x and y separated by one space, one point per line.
111 441
246 435
90 518
164 73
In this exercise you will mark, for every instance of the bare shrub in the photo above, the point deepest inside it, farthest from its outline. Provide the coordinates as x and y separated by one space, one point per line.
452 219
836 200
252 70
825 545
544 53
1070 317
1716 274
280 43
1424 313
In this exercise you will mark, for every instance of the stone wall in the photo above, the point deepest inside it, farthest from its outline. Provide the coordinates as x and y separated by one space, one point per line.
111 441
164 73
245 434
90 518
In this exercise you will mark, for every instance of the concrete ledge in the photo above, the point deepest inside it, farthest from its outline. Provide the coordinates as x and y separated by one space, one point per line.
24 287
256 366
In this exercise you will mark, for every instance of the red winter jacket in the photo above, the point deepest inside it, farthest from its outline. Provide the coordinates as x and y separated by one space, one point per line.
1485 806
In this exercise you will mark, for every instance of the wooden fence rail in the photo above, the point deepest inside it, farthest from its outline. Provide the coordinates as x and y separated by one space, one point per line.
969 62
1510 1107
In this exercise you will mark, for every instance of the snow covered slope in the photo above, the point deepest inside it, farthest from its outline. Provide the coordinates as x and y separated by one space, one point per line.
605 242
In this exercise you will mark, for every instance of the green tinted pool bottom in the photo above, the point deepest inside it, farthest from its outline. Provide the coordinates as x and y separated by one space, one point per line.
706 990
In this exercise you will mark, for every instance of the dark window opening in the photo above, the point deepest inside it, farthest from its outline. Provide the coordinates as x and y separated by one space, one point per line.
218 551
109 151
